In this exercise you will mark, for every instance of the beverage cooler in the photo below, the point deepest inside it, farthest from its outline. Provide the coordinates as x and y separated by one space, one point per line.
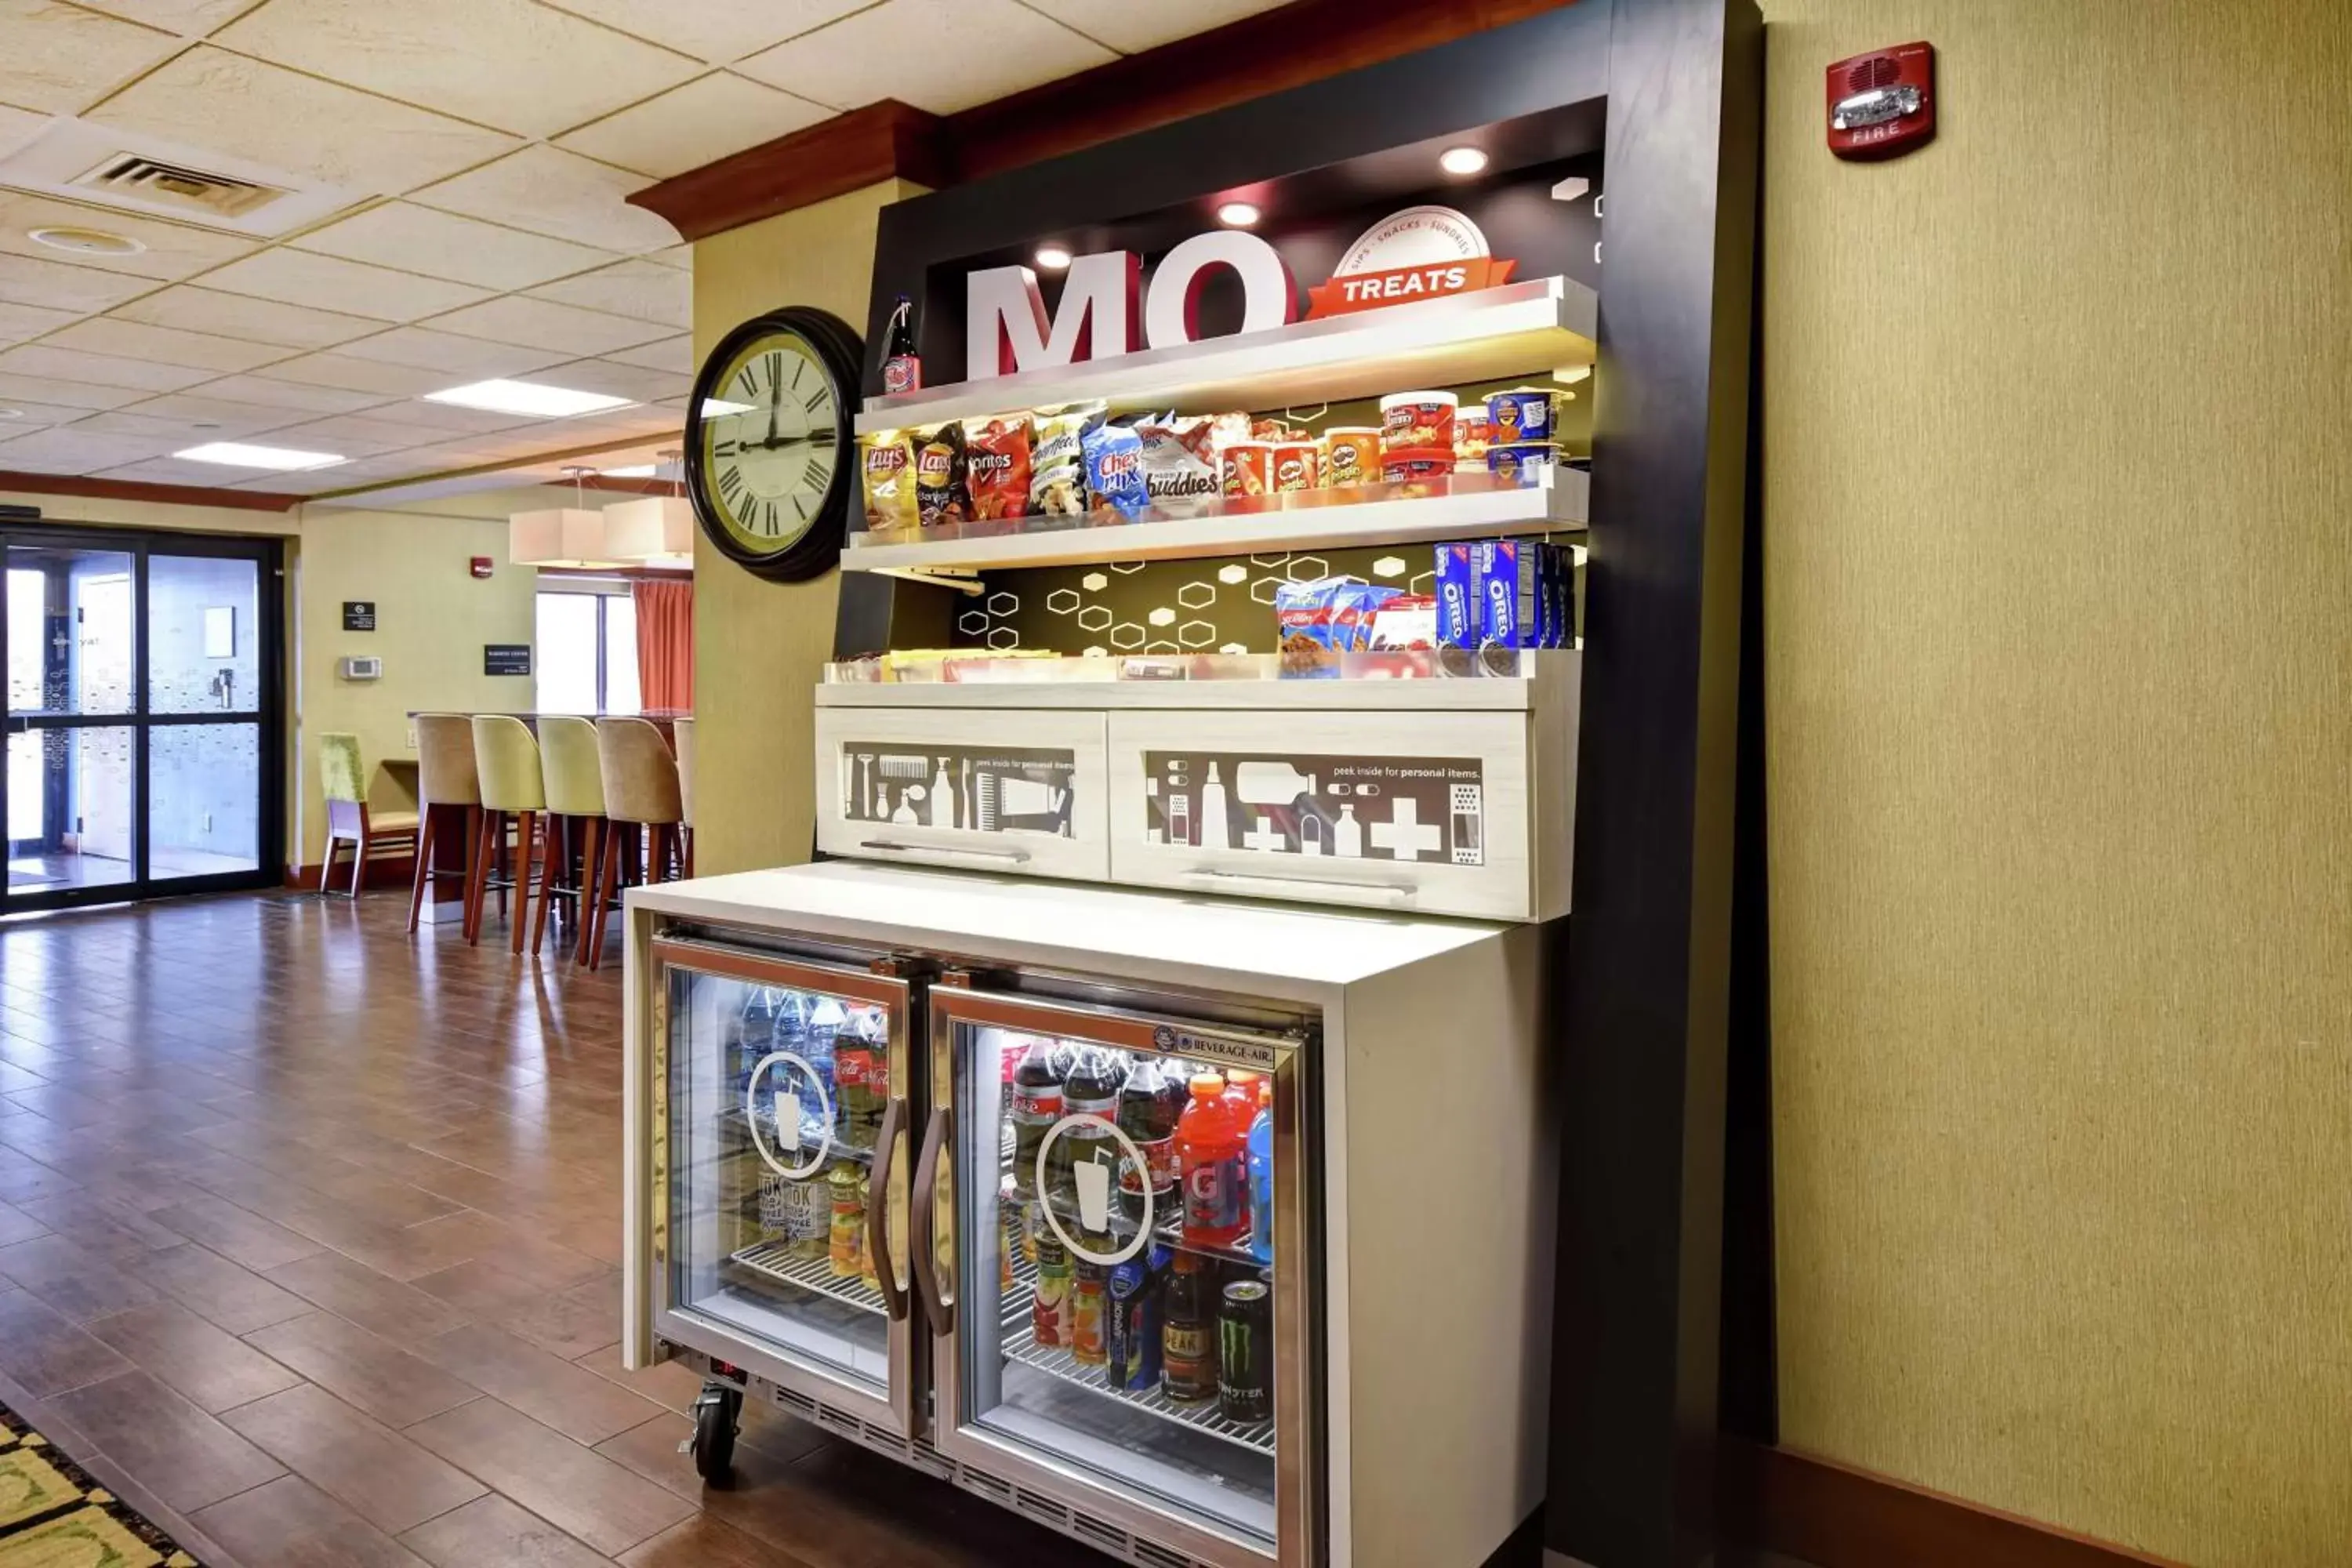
1208 1234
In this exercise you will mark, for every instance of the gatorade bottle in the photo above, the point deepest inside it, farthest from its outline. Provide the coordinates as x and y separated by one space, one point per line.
1213 1151
1261 1175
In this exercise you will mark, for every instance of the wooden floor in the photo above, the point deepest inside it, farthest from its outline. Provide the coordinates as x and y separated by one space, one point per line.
308 1235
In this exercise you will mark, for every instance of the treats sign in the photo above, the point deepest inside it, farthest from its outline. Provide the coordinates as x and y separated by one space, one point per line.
1417 254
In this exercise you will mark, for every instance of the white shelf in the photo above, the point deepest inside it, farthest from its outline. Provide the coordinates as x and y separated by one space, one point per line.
1500 693
776 1260
1527 328
1473 505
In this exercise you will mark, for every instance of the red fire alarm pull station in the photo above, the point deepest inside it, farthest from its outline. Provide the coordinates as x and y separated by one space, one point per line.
1883 104
481 566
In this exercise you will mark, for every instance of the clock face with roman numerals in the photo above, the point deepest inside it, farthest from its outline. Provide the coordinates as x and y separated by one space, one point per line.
768 443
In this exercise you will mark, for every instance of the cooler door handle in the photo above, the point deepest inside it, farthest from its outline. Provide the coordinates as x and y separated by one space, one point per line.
938 1305
877 1210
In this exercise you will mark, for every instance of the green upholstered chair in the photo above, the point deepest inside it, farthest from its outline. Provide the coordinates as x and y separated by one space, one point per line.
641 794
681 738
447 791
573 779
506 763
344 775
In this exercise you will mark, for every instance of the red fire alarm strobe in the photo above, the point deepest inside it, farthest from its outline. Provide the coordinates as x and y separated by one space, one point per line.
1883 104
481 566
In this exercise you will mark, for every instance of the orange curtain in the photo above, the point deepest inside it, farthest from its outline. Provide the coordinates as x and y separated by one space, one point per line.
665 644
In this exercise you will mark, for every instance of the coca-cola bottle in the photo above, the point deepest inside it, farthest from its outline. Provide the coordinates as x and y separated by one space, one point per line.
1146 1114
902 367
1036 1106
1092 1087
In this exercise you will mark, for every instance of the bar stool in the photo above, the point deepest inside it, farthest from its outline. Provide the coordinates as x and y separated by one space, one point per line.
574 782
343 775
682 740
446 789
640 792
506 759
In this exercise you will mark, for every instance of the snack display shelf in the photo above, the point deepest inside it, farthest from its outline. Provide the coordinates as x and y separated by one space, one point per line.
775 1259
1021 1345
1424 512
1453 679
1528 328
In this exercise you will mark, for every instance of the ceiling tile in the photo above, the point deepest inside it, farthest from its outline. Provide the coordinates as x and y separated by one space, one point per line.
679 256
548 190
23 413
939 55
189 19
173 249
310 400
330 283
61 58
313 481
1131 28
164 345
195 310
644 289
131 426
173 471
70 451
19 126
104 370
447 421
229 418
351 434
514 64
636 383
462 359
337 134
544 324
64 392
362 375
18 323
714 30
62 286
675 356
442 244
689 126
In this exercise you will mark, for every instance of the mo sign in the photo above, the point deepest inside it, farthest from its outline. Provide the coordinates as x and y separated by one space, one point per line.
1008 329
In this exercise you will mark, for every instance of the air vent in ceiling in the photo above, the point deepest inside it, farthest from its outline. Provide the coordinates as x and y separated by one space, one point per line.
154 183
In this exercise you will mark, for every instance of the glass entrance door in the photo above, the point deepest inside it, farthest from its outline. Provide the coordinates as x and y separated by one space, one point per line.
142 714
1114 1244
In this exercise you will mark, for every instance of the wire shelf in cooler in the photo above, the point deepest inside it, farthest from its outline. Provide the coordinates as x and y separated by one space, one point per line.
1019 1343
775 1259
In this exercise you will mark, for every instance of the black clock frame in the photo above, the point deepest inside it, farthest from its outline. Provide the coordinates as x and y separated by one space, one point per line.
840 354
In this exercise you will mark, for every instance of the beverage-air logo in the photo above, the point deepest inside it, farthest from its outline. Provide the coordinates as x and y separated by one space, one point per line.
1420 253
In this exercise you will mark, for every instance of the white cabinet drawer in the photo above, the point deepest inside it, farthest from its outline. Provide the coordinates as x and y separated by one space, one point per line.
967 788
1428 812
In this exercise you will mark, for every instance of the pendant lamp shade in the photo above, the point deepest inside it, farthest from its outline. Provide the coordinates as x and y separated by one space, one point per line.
654 531
562 536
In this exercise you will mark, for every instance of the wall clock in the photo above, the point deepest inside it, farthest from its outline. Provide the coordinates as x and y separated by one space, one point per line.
769 454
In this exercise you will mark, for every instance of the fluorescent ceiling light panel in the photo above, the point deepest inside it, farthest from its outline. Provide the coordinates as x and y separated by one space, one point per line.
528 399
634 471
720 408
237 455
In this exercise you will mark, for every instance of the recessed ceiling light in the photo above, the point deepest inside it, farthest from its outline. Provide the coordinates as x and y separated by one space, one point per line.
634 471
720 408
85 241
237 455
1053 257
531 399
1238 214
1462 160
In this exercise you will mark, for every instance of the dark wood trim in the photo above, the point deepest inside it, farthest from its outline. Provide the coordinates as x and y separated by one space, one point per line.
135 489
1835 1516
1271 52
881 141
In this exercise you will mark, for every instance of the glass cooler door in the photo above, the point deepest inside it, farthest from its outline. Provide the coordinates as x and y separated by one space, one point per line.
1112 1240
780 1111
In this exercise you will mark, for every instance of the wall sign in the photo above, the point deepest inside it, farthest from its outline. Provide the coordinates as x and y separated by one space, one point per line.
1420 253
359 615
506 659
991 789
1368 808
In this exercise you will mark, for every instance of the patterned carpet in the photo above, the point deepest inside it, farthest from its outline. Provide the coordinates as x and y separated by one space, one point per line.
52 1515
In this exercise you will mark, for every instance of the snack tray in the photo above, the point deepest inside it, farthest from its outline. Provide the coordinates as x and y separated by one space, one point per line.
1529 328
1422 511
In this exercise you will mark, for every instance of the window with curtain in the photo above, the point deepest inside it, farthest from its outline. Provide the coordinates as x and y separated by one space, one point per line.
586 660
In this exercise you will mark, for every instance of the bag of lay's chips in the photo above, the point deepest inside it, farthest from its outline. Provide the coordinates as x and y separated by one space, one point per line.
885 461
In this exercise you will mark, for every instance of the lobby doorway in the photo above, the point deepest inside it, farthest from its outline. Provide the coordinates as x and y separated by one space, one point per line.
145 723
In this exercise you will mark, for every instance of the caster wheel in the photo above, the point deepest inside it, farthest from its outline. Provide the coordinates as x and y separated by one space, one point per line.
714 1434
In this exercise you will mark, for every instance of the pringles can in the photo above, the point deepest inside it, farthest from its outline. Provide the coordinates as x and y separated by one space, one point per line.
1248 468
1351 455
1298 465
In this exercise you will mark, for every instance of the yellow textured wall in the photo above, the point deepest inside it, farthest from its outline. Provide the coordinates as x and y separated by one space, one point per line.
2058 533
759 647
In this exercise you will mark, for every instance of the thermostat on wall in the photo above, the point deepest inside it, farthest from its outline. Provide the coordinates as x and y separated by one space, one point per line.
361 667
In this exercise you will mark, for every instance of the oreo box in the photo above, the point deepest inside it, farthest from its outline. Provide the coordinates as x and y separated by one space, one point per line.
1503 580
1457 602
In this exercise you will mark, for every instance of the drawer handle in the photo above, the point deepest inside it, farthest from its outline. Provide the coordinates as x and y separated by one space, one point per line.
1017 856
1388 889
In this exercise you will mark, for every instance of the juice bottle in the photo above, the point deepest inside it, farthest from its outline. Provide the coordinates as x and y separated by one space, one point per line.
1213 1150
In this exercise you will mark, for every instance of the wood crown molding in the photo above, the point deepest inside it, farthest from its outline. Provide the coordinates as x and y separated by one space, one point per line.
1838 1516
1288 47
134 490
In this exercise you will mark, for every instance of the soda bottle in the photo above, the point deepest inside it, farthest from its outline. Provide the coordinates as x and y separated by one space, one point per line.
1036 1106
1261 1175
1092 1088
902 367
1188 1346
1213 1151
1146 1114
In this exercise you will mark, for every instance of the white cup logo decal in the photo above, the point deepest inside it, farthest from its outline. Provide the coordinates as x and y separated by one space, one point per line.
1094 1195
788 1121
